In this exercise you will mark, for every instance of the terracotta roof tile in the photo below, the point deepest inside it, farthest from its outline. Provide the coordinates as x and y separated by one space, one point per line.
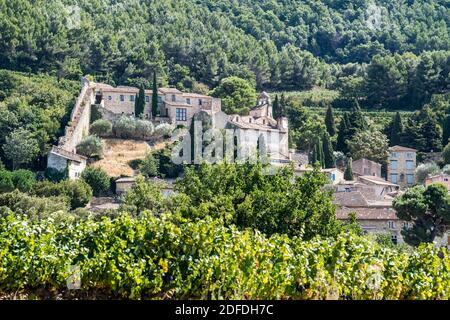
401 148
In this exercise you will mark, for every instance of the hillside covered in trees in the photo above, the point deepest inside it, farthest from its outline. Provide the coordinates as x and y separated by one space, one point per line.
383 54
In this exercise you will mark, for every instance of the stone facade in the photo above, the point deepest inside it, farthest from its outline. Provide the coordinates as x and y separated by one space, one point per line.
440 178
174 106
402 166
64 155
365 167
261 128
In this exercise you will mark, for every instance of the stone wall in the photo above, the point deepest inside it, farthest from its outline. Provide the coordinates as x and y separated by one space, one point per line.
78 126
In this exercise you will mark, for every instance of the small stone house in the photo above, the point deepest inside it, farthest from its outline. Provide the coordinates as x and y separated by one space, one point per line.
441 178
63 160
366 167
375 215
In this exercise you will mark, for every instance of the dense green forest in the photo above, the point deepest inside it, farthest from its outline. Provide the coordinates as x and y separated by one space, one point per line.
382 54
33 112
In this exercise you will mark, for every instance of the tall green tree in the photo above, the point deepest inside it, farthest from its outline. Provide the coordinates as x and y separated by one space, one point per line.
427 208
20 148
446 130
238 95
371 144
237 194
394 130
329 158
98 180
348 174
155 96
140 103
344 134
276 108
321 154
330 123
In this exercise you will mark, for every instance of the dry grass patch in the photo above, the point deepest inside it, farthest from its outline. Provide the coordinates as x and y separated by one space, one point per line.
118 153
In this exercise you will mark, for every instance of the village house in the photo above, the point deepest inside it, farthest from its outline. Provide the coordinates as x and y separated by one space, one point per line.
375 214
335 176
366 167
440 178
174 106
402 166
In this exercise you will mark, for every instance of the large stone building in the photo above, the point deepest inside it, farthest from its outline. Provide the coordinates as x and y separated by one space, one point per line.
402 166
174 106
260 128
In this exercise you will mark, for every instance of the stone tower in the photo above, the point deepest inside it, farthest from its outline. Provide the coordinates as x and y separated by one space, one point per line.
263 106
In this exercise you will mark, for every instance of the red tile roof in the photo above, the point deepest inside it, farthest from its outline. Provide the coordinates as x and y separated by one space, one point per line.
383 213
400 148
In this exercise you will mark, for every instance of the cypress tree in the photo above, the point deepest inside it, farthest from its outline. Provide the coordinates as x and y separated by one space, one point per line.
314 156
154 96
282 106
276 108
329 159
348 174
321 154
395 130
343 134
136 105
139 104
329 122
446 130
356 120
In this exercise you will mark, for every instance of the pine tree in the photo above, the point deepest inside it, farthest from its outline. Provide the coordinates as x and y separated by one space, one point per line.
139 103
154 96
348 174
276 108
329 122
329 158
343 134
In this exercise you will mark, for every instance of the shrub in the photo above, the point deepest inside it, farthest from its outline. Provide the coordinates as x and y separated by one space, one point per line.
166 167
101 128
55 175
6 182
164 130
32 206
446 169
446 154
143 129
78 191
91 146
95 114
149 166
97 179
22 180
125 127
425 169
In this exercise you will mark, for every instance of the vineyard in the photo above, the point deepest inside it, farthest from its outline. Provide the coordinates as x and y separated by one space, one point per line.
317 101
171 258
